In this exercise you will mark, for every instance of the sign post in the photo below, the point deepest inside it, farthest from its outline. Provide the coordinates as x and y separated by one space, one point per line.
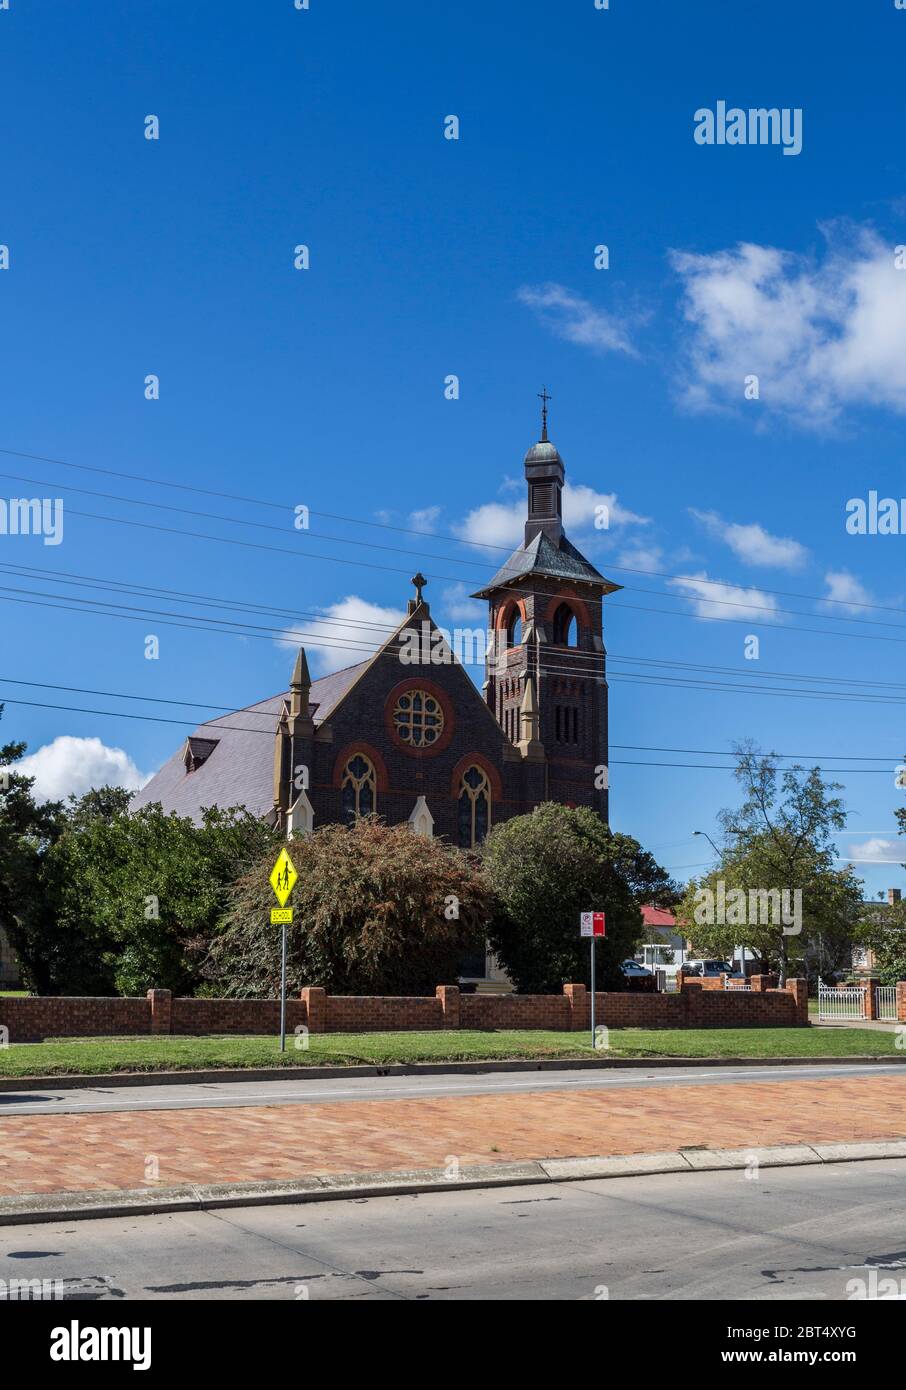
592 925
282 880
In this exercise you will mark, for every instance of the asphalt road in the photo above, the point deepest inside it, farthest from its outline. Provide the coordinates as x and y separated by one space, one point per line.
792 1233
299 1091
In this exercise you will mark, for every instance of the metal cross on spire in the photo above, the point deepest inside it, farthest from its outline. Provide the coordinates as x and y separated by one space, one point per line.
544 398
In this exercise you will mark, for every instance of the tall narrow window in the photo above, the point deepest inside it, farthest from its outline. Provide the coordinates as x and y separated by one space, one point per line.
359 788
474 807
565 630
514 629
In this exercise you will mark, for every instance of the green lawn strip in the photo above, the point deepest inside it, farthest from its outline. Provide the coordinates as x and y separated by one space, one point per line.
754 1042
108 1055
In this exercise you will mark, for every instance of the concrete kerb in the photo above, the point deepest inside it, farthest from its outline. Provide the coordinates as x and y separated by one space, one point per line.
73 1206
187 1078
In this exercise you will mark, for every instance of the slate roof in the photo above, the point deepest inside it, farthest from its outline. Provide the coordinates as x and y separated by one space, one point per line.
240 770
542 558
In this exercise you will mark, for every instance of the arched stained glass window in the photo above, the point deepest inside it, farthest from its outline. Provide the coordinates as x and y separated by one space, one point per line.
474 807
359 788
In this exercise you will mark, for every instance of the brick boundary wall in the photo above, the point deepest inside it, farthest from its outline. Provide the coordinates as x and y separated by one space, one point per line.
31 1019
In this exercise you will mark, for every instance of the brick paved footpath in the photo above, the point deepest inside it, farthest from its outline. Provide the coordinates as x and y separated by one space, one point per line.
42 1153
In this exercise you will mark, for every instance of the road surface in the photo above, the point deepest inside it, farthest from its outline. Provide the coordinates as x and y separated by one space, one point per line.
791 1233
45 1099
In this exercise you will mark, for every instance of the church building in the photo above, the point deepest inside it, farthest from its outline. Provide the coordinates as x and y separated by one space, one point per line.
411 738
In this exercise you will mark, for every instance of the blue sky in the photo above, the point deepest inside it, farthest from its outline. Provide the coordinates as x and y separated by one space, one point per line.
473 257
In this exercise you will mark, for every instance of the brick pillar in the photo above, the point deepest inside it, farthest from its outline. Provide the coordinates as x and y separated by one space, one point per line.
449 1005
871 999
760 983
680 979
901 1001
161 1001
579 1007
315 1000
799 989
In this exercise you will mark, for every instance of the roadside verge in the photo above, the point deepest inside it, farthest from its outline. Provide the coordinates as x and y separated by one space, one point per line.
80 1080
73 1206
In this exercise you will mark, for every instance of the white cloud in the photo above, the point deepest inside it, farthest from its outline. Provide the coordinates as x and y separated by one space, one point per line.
820 335
640 557
580 504
425 519
714 599
876 851
72 766
846 590
493 523
503 523
570 316
752 543
356 626
458 607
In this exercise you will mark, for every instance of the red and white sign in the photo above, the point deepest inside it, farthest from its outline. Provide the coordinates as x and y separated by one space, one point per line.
592 924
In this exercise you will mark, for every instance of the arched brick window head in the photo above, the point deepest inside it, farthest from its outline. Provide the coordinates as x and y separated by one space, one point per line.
358 788
474 807
565 627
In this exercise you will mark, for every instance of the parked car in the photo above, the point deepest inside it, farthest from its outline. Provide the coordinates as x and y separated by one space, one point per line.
637 976
709 969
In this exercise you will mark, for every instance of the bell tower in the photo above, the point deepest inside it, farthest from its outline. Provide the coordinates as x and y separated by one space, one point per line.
546 675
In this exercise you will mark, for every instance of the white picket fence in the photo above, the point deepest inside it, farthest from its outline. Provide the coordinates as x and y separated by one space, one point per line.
886 1001
840 1003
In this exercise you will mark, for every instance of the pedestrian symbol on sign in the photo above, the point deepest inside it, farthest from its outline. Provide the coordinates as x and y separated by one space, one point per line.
283 877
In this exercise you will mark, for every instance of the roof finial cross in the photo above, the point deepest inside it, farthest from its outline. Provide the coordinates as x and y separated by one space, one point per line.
544 398
419 580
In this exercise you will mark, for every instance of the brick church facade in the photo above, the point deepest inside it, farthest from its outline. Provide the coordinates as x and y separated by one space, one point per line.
407 735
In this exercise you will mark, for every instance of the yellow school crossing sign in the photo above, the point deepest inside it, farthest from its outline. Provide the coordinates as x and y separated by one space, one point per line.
283 877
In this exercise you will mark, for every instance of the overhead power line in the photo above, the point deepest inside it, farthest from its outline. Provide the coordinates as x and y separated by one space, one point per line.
247 711
431 535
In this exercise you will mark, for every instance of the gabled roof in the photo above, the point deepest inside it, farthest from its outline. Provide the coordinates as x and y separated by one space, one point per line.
239 771
541 558
658 916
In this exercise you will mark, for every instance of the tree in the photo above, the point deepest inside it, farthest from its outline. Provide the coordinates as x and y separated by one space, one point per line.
376 910
779 841
884 928
134 898
27 830
548 867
